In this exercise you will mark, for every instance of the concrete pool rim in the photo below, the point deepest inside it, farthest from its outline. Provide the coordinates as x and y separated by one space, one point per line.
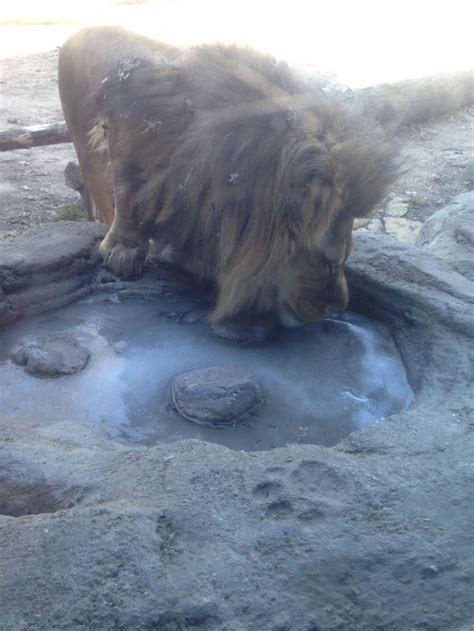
371 533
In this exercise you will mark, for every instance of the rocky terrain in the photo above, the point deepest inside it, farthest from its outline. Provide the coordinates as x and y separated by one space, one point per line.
372 534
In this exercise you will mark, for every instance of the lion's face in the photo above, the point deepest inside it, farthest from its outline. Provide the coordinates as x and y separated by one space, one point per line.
296 273
312 284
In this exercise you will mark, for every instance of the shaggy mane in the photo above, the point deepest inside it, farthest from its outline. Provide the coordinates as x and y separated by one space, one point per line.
239 165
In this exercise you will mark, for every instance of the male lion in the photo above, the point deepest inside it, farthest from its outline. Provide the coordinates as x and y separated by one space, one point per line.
226 156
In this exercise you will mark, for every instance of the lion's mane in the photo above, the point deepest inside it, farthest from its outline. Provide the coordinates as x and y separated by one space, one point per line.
228 156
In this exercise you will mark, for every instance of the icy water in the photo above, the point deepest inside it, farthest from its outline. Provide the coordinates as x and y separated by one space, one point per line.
320 382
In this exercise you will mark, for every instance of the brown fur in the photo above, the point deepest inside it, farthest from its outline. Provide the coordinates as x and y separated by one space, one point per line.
223 154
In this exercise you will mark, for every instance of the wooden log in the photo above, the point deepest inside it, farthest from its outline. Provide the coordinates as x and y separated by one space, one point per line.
37 135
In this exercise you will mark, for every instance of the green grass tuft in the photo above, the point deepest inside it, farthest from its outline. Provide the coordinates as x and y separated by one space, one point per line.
71 213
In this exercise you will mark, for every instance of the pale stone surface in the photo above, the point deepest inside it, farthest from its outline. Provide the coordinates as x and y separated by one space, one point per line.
402 229
396 208
361 223
375 225
466 177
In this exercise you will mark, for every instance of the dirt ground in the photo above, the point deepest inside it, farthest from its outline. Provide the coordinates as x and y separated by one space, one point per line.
438 155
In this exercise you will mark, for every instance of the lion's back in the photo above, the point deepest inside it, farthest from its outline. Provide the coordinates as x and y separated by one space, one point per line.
219 76
130 75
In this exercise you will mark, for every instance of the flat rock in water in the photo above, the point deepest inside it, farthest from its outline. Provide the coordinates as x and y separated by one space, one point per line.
244 333
50 355
217 396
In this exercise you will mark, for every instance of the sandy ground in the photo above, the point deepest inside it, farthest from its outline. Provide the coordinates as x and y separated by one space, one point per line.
32 188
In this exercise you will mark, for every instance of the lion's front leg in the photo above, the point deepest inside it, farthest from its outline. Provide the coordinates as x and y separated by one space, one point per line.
124 252
126 244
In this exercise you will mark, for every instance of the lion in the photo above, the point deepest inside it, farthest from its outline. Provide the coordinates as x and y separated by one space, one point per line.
226 156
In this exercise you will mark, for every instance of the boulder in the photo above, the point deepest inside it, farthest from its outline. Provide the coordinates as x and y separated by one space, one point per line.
219 396
47 267
465 179
50 355
449 234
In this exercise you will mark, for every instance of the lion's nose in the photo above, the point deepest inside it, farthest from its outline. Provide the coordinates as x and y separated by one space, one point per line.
339 302
338 295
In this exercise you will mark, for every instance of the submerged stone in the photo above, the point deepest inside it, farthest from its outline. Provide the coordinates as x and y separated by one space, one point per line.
245 333
50 355
218 396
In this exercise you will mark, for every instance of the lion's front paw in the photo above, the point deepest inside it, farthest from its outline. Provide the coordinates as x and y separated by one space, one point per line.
122 259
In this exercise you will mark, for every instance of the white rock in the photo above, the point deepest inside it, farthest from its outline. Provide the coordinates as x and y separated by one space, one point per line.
361 223
218 396
375 225
396 208
402 229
